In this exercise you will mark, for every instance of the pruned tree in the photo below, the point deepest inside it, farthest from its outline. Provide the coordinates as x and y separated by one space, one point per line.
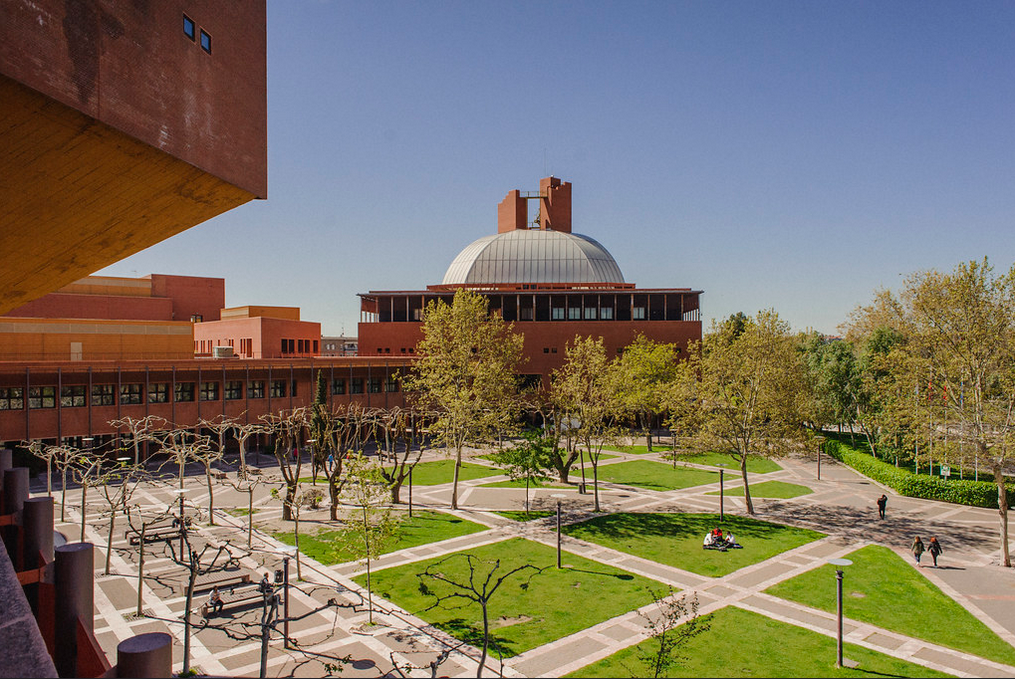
742 392
452 590
675 623
220 425
395 442
117 488
182 446
37 449
141 430
584 387
203 451
243 432
287 429
139 526
248 486
63 458
465 373
86 470
563 451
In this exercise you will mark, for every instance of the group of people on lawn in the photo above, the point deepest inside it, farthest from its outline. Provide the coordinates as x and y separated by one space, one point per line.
714 539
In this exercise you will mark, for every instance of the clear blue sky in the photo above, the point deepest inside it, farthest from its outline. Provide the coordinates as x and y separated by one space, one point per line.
793 155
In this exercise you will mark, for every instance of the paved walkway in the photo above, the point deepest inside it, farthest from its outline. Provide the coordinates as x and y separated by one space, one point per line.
840 506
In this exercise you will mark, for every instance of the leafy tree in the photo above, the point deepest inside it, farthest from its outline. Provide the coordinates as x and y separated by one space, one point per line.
366 489
395 442
742 394
954 366
642 372
321 427
441 581
464 373
529 460
585 387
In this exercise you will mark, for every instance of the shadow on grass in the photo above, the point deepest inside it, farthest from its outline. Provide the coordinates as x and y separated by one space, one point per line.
625 526
473 635
618 576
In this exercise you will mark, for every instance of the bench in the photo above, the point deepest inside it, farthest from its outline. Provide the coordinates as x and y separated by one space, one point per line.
153 534
220 475
221 580
235 597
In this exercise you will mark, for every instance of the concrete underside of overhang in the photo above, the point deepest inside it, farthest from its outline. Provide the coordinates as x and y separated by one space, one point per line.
77 195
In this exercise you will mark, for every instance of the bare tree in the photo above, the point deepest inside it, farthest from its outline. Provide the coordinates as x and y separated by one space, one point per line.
396 433
248 486
287 428
221 425
242 433
141 429
477 587
203 452
86 472
676 622
118 486
140 526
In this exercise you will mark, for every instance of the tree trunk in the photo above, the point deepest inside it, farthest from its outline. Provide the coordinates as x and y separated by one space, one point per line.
243 458
84 511
186 617
49 478
333 494
486 641
396 492
366 542
747 488
109 541
250 517
526 494
454 487
63 495
595 479
211 497
1002 510
181 472
140 568
290 498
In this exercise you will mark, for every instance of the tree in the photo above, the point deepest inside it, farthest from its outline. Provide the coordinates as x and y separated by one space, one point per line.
139 526
955 365
675 623
741 392
248 486
86 471
478 587
529 460
394 426
204 452
48 453
118 486
221 426
321 427
287 428
465 373
141 430
584 387
366 489
242 433
183 445
642 372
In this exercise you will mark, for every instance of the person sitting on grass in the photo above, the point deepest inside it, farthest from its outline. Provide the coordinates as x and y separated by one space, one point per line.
709 540
730 540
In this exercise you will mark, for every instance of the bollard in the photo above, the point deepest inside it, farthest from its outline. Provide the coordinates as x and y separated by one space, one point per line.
37 529
145 655
75 567
6 462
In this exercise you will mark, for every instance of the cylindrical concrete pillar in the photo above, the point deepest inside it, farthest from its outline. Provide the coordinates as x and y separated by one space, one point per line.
37 521
15 489
145 655
6 462
75 582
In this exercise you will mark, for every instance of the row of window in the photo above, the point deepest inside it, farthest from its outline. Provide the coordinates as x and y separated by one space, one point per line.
303 346
77 396
387 350
190 30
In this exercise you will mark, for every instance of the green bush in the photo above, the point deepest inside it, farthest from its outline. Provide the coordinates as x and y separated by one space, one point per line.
904 482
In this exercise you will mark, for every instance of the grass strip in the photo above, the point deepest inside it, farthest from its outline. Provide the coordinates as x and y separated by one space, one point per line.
769 489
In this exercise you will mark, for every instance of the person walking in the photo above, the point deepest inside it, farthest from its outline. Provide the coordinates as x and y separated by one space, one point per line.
935 550
882 503
917 549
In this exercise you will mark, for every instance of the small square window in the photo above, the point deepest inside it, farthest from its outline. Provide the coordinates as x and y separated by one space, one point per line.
205 42
188 30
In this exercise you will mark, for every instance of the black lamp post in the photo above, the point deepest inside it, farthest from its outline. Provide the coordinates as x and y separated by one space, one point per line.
287 552
839 564
722 494
410 492
559 496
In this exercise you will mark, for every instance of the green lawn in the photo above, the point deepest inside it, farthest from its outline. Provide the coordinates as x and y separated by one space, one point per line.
882 589
771 489
755 463
653 475
443 471
523 516
520 483
330 546
675 539
752 645
555 603
641 449
602 456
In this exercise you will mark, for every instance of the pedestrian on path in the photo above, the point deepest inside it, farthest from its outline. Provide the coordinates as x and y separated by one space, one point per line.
917 549
882 503
934 549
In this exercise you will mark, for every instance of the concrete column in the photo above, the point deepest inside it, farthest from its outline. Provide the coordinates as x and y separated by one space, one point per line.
145 655
38 530
75 597
6 462
15 483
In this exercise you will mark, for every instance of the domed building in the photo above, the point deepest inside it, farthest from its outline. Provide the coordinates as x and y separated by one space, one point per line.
551 283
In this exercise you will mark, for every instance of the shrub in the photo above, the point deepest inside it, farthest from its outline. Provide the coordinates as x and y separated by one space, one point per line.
904 482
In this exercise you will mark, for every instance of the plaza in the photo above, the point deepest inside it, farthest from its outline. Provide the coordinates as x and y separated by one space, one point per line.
839 510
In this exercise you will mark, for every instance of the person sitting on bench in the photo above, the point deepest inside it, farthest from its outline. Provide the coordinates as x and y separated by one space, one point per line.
265 586
215 601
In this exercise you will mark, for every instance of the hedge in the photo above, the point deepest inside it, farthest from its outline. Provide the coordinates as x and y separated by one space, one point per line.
904 482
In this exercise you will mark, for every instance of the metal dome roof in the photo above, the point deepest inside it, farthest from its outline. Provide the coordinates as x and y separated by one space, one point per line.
533 256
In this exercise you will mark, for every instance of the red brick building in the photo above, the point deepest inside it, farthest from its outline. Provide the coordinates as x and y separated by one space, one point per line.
551 283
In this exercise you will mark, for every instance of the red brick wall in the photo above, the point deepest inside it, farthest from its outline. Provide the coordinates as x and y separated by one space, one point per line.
129 65
60 305
191 295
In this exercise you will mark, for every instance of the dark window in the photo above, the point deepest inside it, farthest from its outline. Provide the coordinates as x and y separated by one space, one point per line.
130 394
184 392
209 391
338 386
103 395
357 386
277 388
158 392
392 384
294 388
300 346
206 42
188 27
285 346
375 385
255 389
292 346
234 391
546 350
72 396
315 346
12 398
42 397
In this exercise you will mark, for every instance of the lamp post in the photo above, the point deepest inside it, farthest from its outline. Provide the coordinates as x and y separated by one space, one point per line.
722 493
559 497
287 552
819 462
839 565
410 492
